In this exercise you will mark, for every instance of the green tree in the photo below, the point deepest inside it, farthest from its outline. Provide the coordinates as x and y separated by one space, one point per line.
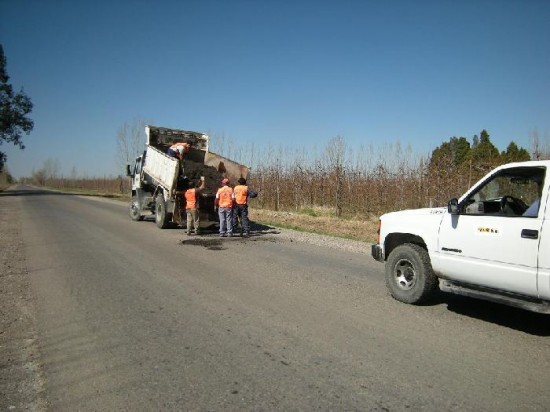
450 154
485 154
14 108
514 153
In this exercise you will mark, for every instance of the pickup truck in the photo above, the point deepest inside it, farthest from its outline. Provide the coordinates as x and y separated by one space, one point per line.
492 243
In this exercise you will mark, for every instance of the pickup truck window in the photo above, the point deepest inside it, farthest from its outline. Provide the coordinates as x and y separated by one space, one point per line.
512 193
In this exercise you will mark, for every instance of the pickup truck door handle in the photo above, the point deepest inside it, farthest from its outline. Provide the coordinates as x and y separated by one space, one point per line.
529 234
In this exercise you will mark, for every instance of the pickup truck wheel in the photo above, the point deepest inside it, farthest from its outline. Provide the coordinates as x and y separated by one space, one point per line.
135 210
162 218
409 274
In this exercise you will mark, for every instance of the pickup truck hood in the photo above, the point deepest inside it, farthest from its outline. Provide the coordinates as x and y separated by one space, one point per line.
423 223
433 211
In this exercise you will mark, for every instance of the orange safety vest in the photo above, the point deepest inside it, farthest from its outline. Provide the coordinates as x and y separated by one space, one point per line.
241 194
190 199
225 196
185 146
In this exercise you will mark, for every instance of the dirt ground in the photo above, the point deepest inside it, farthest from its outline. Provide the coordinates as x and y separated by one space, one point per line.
20 375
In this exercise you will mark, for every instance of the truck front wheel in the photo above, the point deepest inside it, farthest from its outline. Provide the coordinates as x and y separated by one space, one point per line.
135 210
409 274
162 217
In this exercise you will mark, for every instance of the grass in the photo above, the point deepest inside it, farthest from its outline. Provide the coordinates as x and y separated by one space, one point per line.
363 230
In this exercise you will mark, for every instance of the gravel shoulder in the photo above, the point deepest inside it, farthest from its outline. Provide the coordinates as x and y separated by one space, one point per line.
21 383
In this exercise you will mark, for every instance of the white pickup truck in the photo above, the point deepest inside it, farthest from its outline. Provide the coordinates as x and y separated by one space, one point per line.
493 243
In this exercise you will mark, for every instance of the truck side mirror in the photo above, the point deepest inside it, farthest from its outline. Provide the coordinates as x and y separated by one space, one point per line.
452 206
128 170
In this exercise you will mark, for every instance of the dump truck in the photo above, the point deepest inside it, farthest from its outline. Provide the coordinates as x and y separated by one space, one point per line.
159 180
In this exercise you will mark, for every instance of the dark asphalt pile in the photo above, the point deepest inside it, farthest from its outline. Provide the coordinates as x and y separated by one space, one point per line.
194 170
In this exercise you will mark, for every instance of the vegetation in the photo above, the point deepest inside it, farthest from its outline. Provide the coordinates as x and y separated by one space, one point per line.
14 108
334 190
368 183
6 180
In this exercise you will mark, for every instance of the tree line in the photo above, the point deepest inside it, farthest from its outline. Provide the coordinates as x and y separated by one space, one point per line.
334 179
370 182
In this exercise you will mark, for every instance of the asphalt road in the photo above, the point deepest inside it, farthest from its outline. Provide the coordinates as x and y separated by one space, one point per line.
131 317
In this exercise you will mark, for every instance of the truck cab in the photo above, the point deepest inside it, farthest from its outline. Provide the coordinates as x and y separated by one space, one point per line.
491 243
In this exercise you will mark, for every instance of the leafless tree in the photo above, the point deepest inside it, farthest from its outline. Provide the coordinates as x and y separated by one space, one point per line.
336 151
130 140
540 149
51 168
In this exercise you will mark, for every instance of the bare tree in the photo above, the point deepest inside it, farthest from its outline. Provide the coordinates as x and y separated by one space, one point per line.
130 141
51 168
540 149
336 151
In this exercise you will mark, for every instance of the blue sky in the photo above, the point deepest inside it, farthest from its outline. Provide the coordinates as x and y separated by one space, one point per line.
279 72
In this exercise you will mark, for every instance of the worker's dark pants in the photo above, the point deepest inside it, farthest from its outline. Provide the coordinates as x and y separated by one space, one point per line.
241 212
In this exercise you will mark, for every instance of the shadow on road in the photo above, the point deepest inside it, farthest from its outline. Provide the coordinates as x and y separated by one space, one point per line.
519 319
34 192
211 240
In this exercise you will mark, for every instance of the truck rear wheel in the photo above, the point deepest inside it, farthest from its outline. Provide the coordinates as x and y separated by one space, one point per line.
135 210
162 217
409 274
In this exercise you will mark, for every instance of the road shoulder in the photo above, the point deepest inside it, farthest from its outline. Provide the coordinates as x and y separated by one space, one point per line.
21 383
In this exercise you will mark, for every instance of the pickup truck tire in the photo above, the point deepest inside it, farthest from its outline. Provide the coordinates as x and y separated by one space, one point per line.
162 217
409 274
135 210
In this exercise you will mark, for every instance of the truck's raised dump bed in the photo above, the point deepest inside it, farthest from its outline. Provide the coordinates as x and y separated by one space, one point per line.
159 180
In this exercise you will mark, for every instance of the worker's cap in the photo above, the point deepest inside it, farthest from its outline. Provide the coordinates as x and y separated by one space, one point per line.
225 181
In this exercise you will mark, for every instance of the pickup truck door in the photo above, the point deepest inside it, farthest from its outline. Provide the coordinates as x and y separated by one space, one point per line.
543 281
485 246
494 251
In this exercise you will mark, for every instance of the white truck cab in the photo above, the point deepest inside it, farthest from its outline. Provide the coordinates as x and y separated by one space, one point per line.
492 243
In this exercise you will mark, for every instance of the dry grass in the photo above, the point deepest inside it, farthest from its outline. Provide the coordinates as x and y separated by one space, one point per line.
356 229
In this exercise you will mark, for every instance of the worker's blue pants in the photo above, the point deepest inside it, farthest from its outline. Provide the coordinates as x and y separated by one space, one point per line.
226 220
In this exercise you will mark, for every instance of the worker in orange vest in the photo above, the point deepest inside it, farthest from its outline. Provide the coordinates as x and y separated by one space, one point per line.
224 203
241 193
179 149
192 206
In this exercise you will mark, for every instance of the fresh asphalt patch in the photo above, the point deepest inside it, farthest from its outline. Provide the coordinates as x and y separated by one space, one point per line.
219 243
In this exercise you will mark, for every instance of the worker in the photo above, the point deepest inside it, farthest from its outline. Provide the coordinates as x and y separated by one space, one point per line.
533 210
224 203
191 206
241 193
178 149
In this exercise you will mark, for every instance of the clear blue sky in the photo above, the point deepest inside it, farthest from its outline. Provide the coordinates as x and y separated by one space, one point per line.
275 71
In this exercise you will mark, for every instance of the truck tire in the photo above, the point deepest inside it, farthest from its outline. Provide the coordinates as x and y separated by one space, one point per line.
135 210
409 274
162 217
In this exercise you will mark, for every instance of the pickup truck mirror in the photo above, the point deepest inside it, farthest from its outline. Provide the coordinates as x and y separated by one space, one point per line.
452 206
128 170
